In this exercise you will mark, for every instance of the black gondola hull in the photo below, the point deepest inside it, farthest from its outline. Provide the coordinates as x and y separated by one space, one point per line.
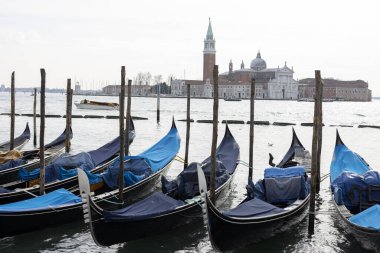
228 233
368 238
109 233
23 222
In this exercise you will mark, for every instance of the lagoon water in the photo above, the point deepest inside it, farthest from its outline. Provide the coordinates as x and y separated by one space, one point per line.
92 133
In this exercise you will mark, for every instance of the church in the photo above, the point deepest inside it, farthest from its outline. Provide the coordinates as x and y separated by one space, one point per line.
271 83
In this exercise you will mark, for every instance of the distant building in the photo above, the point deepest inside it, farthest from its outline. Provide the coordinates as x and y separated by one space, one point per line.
2 87
336 89
137 90
77 88
271 83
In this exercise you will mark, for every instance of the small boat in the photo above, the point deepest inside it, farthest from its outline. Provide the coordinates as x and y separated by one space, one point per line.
355 189
95 105
9 171
232 99
177 205
61 173
267 210
62 206
19 141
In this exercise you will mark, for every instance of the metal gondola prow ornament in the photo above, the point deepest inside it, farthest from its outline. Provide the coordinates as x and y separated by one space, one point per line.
84 189
203 192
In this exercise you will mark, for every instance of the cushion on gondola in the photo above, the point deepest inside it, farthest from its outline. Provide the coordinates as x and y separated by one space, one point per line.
369 218
253 208
55 199
274 172
185 186
154 205
12 164
4 190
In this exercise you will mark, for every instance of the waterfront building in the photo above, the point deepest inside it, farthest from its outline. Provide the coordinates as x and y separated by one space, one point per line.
336 89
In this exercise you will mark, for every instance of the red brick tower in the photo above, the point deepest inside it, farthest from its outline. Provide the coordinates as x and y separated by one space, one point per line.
209 55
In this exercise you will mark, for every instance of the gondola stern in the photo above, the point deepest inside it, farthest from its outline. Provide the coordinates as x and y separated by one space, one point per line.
338 140
173 123
295 140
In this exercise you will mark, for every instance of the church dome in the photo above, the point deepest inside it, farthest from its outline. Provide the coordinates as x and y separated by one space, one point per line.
258 63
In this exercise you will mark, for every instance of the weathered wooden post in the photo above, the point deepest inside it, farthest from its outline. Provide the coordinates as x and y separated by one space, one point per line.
34 118
214 134
69 96
121 133
12 137
42 133
314 157
129 89
187 128
251 128
158 102
320 122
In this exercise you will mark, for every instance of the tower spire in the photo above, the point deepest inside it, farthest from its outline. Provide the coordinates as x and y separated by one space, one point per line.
209 35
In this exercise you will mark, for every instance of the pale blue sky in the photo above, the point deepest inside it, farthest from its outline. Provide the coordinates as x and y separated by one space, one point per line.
89 40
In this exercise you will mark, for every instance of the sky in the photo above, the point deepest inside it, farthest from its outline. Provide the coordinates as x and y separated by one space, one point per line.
89 40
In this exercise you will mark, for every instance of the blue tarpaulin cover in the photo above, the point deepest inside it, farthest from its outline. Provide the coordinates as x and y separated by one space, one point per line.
369 218
12 164
348 185
346 160
61 168
148 162
50 200
253 208
156 204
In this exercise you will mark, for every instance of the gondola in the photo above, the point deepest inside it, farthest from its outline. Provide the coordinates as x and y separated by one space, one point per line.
9 172
19 141
161 211
273 205
56 177
62 206
355 189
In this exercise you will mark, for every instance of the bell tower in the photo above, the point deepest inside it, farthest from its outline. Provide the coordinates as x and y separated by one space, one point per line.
209 55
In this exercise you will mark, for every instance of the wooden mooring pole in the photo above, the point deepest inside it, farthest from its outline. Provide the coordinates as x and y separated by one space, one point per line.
314 159
158 102
251 129
12 137
128 120
69 97
320 124
214 134
121 133
42 133
34 118
186 163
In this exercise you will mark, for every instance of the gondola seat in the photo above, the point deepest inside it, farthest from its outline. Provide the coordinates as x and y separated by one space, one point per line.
283 186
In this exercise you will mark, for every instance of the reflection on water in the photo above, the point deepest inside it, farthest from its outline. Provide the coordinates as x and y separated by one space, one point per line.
92 133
